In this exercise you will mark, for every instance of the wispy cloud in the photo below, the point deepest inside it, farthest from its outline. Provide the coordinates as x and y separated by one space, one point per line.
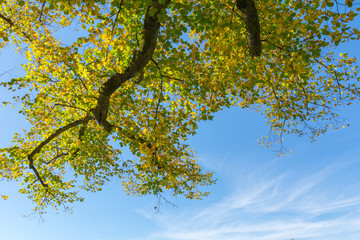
273 208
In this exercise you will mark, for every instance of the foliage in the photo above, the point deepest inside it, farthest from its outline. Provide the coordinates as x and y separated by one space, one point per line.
145 73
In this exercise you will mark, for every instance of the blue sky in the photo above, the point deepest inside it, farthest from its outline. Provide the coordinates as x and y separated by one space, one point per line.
314 193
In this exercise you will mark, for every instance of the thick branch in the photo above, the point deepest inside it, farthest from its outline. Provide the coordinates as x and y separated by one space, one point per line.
140 59
252 24
47 140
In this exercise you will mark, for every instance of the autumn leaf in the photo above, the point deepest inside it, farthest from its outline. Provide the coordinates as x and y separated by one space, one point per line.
106 76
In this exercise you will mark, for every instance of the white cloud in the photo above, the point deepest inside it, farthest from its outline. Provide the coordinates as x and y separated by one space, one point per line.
272 208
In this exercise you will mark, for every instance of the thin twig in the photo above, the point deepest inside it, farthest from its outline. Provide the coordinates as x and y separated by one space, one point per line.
42 11
70 106
117 15
7 20
163 75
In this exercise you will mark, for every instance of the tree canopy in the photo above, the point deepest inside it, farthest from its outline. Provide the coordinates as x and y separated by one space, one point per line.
141 75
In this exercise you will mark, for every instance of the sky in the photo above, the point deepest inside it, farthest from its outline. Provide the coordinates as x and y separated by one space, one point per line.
313 193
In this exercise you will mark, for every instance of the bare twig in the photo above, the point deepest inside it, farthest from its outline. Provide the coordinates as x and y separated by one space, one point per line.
42 11
117 15
163 75
70 106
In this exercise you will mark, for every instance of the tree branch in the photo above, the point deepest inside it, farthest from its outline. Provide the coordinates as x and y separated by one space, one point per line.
252 24
7 20
117 15
140 59
47 140
42 11
165 76
56 157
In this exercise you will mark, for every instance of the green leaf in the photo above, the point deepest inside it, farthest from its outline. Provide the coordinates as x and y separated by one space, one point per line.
115 3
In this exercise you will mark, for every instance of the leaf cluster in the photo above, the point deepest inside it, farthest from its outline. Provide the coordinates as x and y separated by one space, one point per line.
140 76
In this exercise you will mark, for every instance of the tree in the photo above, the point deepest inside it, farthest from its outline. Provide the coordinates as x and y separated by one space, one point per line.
145 73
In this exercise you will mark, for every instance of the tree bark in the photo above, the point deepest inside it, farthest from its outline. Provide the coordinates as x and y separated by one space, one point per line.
140 59
252 24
